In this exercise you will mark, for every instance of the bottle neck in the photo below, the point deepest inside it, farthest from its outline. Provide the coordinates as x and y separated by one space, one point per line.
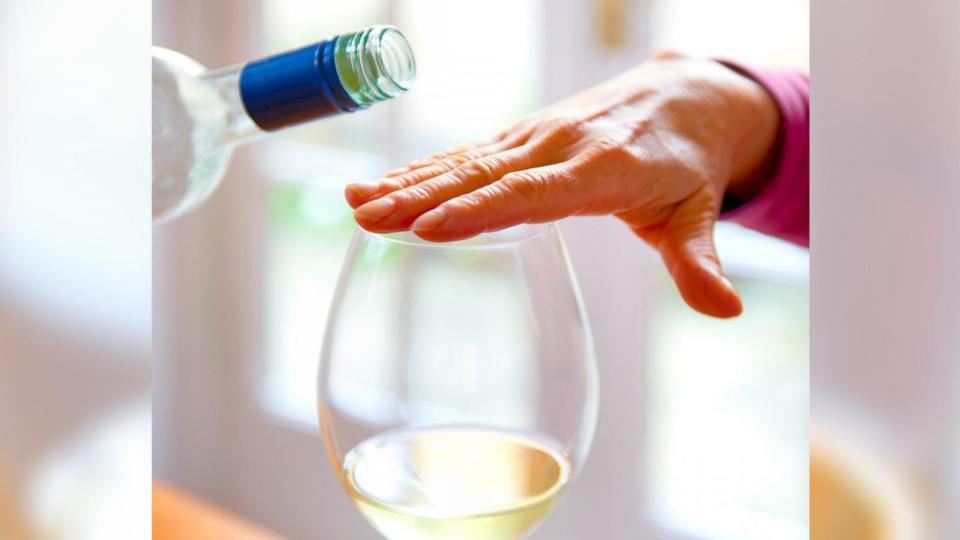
240 127
294 87
341 74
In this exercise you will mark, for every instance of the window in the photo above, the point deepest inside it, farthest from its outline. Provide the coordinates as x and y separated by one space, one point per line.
725 443
766 32
729 400
308 229
460 95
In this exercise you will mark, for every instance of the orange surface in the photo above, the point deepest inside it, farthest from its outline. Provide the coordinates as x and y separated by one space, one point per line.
841 506
179 516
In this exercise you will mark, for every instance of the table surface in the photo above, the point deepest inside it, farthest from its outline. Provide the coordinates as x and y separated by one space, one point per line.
178 515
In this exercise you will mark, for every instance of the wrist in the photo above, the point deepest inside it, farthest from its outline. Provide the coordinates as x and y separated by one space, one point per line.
755 123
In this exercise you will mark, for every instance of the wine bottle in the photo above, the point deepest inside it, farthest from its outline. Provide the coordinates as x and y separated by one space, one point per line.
200 115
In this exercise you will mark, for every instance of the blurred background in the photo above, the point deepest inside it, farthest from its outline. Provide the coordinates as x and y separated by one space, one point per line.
703 427
885 377
703 431
74 270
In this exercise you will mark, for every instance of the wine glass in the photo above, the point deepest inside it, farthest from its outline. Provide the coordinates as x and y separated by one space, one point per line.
458 386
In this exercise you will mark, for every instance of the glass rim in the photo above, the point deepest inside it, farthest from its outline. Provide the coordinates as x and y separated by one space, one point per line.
511 236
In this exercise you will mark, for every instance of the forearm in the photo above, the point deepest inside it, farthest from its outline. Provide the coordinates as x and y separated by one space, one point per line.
756 122
775 197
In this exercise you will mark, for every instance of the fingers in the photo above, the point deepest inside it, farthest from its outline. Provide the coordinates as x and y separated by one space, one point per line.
433 158
686 246
360 193
533 195
434 165
397 210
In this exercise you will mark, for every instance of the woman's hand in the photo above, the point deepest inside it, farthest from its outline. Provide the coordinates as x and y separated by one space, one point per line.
658 147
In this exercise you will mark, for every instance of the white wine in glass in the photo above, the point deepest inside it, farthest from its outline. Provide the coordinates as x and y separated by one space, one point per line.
458 387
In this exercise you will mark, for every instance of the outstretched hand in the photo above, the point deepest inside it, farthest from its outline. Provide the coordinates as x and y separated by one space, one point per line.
658 147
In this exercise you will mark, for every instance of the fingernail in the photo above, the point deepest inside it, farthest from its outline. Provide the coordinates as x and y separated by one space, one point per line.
376 210
429 221
365 189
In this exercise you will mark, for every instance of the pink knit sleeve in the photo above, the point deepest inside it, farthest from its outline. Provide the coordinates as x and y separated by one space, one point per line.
782 208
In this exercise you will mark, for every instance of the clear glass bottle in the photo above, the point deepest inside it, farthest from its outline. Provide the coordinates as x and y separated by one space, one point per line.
200 115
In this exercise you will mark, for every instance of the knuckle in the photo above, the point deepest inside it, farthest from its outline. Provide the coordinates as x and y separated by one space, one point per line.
562 128
409 179
465 157
418 192
501 135
411 195
478 201
472 207
612 149
448 163
402 197
478 206
393 184
456 161
529 188
481 169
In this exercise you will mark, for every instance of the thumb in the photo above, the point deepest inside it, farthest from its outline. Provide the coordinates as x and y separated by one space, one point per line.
686 246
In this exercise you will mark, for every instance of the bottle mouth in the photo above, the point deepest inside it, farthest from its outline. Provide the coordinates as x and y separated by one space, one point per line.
396 59
375 64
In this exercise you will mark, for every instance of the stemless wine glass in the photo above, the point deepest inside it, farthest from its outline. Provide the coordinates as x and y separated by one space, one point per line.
458 386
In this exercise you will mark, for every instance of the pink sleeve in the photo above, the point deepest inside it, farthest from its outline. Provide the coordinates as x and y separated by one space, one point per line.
782 208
